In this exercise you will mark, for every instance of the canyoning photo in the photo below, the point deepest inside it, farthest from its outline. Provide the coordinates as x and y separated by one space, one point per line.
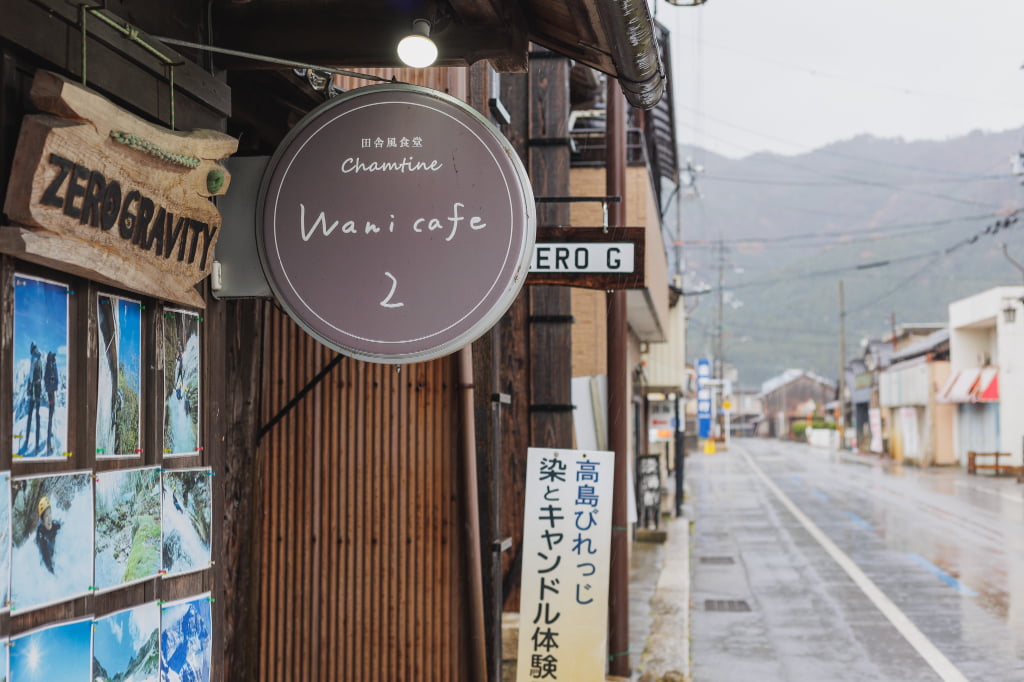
127 526
51 539
119 377
181 382
186 520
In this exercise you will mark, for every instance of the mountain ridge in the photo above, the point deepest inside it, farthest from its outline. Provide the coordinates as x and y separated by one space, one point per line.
893 219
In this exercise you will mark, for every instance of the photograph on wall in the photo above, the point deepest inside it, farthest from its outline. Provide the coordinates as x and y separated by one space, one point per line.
126 645
58 652
187 515
181 382
5 542
51 539
127 526
119 377
40 382
186 632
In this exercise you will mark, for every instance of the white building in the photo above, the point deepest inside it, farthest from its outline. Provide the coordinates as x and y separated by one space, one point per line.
986 354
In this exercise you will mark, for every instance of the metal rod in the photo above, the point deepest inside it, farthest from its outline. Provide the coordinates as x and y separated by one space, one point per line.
618 404
569 200
83 12
271 60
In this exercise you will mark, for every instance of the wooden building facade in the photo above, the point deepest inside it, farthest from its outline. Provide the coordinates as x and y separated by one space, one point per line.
343 522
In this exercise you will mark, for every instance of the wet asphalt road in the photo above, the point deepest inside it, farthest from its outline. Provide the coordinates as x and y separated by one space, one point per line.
852 569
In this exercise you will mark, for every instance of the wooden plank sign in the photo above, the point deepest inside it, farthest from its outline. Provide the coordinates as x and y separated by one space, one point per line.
108 196
589 257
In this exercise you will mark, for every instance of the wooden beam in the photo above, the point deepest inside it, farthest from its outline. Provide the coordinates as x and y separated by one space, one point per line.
116 65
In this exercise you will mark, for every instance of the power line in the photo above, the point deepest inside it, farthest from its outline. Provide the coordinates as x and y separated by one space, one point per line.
1003 224
882 229
809 183
761 58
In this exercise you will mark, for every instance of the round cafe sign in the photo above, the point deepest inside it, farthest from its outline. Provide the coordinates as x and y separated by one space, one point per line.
395 224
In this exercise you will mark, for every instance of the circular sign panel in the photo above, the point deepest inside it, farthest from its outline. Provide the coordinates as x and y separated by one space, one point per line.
395 224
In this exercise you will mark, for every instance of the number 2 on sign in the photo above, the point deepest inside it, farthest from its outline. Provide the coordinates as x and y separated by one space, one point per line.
386 303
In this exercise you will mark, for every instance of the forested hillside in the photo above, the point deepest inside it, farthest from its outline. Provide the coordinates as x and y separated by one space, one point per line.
908 227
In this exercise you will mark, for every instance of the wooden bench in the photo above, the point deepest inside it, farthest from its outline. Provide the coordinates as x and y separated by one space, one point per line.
973 466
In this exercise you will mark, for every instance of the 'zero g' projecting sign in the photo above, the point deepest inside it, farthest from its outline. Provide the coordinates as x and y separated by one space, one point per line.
589 257
395 224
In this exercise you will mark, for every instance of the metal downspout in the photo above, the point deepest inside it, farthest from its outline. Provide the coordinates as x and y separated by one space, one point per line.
471 511
635 51
618 400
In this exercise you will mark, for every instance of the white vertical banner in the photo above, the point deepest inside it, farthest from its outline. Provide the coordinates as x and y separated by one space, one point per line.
875 421
563 607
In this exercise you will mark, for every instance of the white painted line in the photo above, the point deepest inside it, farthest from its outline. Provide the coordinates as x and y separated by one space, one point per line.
928 651
1005 495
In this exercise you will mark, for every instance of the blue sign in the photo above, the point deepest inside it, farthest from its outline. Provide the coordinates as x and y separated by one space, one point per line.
703 398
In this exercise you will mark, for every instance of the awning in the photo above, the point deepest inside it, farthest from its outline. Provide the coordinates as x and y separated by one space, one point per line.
971 385
987 390
959 386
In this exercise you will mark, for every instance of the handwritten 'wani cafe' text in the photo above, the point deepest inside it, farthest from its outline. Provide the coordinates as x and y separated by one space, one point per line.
90 198
448 225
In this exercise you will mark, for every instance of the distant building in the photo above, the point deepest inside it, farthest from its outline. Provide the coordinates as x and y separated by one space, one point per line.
986 381
793 395
920 426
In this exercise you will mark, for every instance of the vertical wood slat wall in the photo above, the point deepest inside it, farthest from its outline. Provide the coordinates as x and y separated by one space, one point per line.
360 538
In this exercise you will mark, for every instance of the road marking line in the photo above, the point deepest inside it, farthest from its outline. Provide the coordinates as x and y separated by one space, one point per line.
978 488
928 651
943 576
863 523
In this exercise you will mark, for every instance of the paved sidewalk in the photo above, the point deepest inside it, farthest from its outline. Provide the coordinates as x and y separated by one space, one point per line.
666 653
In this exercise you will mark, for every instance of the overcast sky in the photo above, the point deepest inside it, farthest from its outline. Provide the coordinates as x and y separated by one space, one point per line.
793 75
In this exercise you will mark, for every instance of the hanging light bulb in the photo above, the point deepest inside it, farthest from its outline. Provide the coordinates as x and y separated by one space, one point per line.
417 49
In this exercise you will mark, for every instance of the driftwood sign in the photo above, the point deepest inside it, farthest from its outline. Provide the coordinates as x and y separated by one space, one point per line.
108 196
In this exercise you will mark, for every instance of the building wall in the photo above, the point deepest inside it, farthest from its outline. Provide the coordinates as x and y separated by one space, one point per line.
361 562
942 417
1010 359
589 332
787 398
666 362
360 532
640 212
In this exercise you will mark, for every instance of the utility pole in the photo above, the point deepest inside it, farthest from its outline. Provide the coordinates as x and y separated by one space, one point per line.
719 369
842 367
